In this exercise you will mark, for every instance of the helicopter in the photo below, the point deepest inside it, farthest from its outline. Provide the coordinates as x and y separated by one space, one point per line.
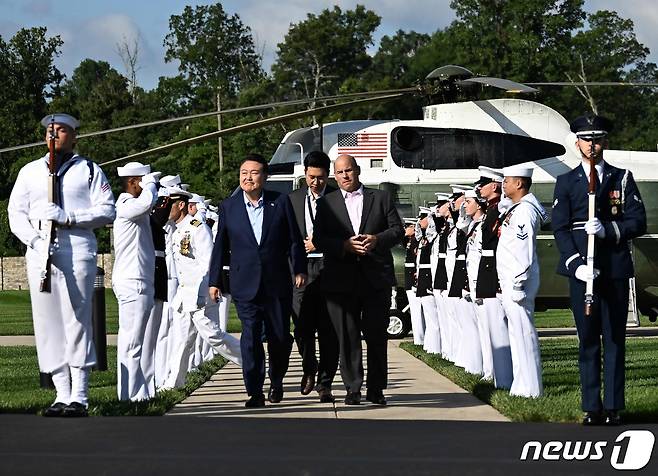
414 159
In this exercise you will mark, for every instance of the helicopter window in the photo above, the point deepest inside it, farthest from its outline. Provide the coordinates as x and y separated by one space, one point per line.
466 148
376 163
298 144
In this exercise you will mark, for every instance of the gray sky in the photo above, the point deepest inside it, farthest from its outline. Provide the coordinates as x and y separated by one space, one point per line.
91 28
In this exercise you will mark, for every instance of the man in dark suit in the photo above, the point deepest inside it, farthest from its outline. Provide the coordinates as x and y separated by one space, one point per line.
620 217
309 306
355 228
258 227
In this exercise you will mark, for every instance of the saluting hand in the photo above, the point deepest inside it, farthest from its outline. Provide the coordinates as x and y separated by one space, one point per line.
300 280
214 293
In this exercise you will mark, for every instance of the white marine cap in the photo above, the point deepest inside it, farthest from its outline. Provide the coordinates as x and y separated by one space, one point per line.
170 181
410 221
517 171
196 198
456 188
471 194
60 118
442 197
133 169
494 175
207 202
177 192
185 186
213 208
424 210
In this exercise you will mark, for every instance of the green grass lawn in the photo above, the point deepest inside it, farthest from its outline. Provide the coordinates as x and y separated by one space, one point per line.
16 314
561 400
20 391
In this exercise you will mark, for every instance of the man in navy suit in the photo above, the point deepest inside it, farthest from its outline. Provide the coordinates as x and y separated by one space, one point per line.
620 217
258 228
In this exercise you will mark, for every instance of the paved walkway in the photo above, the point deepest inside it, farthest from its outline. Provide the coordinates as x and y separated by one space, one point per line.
416 392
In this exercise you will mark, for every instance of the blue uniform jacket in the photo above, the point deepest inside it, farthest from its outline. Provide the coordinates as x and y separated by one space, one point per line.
621 211
281 244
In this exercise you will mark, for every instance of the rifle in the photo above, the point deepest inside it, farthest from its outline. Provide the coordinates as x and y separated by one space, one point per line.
51 230
591 203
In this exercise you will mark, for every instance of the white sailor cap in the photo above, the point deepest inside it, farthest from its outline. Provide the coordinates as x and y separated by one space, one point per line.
133 169
60 118
442 197
177 192
517 171
196 198
185 186
207 202
488 175
424 210
410 221
170 181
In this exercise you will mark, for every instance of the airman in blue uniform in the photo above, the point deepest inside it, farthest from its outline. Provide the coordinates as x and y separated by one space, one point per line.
619 217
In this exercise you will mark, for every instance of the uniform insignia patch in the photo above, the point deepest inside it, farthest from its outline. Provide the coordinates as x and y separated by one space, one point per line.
185 246
105 187
614 210
615 194
195 222
555 203
521 235
637 199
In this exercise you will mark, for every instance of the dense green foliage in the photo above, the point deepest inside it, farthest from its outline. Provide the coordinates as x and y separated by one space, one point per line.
561 399
326 53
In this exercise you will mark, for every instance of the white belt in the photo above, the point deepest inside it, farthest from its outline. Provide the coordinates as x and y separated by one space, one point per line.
409 265
159 254
226 267
443 255
461 258
424 266
314 255
488 253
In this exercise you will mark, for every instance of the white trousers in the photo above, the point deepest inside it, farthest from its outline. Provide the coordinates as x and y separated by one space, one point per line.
469 354
190 324
524 343
167 336
135 377
151 342
416 313
499 337
62 317
432 343
444 327
221 319
454 322
485 340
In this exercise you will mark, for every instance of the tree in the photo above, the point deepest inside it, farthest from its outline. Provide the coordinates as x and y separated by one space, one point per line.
129 54
321 52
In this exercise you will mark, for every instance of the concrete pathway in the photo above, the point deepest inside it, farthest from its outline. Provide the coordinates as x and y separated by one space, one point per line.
416 392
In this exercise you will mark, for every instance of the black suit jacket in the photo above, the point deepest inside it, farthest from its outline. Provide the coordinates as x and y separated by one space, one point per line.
333 227
298 200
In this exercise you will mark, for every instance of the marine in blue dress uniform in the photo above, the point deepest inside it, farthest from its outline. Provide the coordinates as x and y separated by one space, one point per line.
620 217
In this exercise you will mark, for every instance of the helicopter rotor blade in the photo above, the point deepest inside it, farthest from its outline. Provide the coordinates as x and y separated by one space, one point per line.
450 71
596 83
272 105
505 84
253 125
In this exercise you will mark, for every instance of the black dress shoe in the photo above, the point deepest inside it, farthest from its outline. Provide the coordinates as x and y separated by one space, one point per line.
325 395
54 410
308 384
275 395
592 419
75 410
255 401
612 418
353 398
376 396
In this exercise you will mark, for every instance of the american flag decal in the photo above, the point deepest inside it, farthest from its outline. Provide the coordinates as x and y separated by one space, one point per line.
364 145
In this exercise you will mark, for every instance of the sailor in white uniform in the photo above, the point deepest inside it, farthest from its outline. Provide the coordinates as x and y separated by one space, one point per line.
424 285
440 226
133 277
518 272
410 275
62 317
192 247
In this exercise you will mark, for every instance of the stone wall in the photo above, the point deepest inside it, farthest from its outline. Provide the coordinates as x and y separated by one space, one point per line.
14 276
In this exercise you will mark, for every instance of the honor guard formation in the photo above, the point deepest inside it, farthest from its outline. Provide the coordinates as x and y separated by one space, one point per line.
321 256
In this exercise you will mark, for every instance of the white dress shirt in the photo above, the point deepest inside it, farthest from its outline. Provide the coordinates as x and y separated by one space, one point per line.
354 204
598 167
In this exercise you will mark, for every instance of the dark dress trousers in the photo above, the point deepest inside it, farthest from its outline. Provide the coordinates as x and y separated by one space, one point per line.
261 281
621 211
309 308
358 288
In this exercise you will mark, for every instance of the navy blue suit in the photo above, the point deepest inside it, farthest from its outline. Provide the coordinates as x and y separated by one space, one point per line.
620 209
261 281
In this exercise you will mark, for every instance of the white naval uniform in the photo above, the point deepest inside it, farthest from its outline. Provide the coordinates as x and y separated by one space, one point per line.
62 317
192 246
432 337
518 268
473 255
132 281
449 302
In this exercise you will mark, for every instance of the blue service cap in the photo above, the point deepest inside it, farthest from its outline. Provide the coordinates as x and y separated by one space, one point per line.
591 126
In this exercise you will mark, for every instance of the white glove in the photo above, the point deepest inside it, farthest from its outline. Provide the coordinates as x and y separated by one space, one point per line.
148 179
55 213
504 204
582 273
40 246
595 227
518 295
163 192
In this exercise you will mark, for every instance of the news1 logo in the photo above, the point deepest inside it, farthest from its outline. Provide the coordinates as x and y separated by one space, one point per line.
631 451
